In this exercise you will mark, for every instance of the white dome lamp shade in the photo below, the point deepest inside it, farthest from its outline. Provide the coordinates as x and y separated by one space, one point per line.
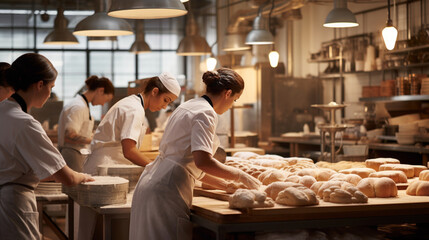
192 44
146 9
390 33
259 34
101 25
140 45
340 16
60 35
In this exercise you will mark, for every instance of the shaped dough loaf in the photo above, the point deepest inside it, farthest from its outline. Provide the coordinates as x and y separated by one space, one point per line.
396 175
378 187
418 188
297 196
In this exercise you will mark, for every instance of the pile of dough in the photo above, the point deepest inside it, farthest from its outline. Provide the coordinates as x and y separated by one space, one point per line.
245 155
362 172
278 164
244 198
418 188
396 175
274 188
418 169
319 187
348 195
297 196
270 156
296 163
341 165
375 163
320 174
304 180
272 175
406 168
424 175
378 187
351 178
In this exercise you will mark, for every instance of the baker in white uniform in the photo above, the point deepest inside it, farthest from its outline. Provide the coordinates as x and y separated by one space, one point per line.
26 153
118 137
163 196
75 124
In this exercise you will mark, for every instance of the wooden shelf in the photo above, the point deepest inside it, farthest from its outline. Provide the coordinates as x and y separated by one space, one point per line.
403 98
406 50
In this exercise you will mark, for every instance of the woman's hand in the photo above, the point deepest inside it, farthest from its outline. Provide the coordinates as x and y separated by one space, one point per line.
86 177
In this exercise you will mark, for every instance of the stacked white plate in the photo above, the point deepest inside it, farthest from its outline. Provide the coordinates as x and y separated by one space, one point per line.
48 188
424 90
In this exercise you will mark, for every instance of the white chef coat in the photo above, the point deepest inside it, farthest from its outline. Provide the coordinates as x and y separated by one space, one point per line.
163 196
75 116
26 156
124 120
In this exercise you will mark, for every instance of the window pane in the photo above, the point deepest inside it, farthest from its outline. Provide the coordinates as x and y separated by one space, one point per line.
101 64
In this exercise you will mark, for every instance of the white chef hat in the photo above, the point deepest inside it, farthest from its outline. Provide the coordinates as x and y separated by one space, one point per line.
170 82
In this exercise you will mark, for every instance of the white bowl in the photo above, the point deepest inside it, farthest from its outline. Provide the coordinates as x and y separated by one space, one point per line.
405 138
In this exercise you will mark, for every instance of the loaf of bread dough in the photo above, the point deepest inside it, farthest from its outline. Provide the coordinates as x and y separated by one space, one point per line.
297 196
375 163
245 155
424 175
272 175
362 172
351 178
319 187
348 195
418 188
320 174
341 165
396 175
274 188
378 187
244 198
406 168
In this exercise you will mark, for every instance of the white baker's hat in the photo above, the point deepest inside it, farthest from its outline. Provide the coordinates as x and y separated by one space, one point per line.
170 82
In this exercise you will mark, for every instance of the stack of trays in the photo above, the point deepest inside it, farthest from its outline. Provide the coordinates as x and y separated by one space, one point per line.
424 90
48 188
105 190
127 171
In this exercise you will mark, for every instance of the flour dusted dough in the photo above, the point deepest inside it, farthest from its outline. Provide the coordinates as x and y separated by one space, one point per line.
378 187
362 172
418 169
297 196
272 175
319 187
424 175
406 168
341 165
351 178
244 198
245 155
396 175
418 188
375 163
274 188
348 195
320 174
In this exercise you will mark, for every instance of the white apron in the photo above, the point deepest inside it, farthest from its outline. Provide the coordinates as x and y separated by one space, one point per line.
18 206
162 200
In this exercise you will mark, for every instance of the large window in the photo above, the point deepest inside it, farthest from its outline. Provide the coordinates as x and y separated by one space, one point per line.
23 31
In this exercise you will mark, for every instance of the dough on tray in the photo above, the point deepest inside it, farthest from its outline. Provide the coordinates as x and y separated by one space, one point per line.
348 195
378 187
418 188
245 198
406 168
274 188
375 163
396 175
362 172
297 196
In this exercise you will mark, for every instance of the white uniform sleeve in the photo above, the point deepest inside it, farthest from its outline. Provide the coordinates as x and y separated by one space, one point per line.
131 124
37 150
203 132
74 118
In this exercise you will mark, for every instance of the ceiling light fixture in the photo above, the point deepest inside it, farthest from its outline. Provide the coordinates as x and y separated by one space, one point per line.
101 25
340 16
192 44
260 35
146 9
60 35
390 33
211 62
140 45
101 39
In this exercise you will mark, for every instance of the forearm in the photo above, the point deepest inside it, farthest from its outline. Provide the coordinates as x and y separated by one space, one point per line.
68 177
215 182
211 166
72 137
137 157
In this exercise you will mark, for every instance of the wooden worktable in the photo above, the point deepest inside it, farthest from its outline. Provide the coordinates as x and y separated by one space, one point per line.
215 214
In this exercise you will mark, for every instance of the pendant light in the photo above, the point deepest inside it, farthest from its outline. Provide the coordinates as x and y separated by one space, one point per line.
60 35
340 16
192 44
146 9
211 63
273 56
259 35
234 42
140 45
390 33
101 25
101 39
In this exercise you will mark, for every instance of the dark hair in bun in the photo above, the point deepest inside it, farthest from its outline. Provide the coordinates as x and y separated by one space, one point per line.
94 82
28 69
223 79
3 67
